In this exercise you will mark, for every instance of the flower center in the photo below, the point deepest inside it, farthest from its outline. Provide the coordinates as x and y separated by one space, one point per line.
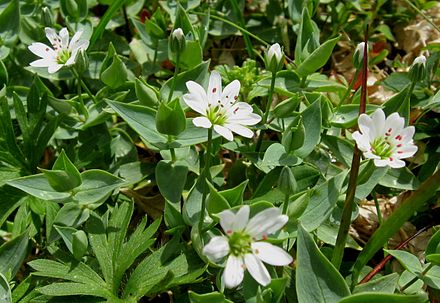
217 114
63 56
382 147
240 243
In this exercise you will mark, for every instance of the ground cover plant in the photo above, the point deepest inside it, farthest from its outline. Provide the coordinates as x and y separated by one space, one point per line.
219 151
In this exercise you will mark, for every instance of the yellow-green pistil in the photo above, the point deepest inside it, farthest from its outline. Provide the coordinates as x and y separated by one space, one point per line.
382 147
240 243
63 56
216 114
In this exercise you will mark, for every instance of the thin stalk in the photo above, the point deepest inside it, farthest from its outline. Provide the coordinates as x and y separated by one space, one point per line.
348 91
407 103
207 177
241 29
286 203
176 72
423 15
83 84
266 112
414 280
302 84
82 107
338 252
378 211
172 151
247 40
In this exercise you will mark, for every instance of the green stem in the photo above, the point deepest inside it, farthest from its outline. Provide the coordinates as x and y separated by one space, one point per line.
348 91
247 40
176 72
379 213
207 177
241 29
414 280
266 112
406 104
172 151
423 15
286 203
82 107
83 84
303 82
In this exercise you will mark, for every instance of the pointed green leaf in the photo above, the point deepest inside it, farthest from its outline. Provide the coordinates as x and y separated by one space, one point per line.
10 22
171 178
213 297
5 290
79 244
318 58
317 280
12 254
215 202
386 284
312 120
407 260
38 186
369 297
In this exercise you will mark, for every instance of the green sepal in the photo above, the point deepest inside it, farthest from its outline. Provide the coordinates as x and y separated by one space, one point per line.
146 94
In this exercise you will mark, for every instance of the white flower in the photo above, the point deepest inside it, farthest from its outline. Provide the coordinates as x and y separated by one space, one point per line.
275 50
62 53
242 245
386 141
178 34
220 109
419 60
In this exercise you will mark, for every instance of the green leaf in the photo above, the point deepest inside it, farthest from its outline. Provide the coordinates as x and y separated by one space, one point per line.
317 280
72 289
323 199
142 120
5 290
400 178
433 246
64 176
70 215
198 74
66 234
79 244
312 121
171 178
369 297
10 22
386 284
192 56
12 254
308 37
407 260
276 155
213 297
215 202
347 115
38 186
234 195
146 94
318 58
170 118
116 74
96 186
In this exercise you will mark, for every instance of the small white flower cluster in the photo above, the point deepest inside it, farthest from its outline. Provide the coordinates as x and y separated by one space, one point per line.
385 140
243 246
61 52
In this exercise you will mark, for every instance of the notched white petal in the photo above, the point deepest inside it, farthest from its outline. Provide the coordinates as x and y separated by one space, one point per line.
217 248
202 122
234 272
271 254
257 269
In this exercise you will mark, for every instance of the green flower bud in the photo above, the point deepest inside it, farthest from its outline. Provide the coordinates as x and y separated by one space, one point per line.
177 42
358 56
170 118
417 71
46 17
287 182
82 61
146 94
274 58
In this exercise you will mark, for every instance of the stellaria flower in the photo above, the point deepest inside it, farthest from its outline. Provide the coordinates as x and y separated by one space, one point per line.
243 246
386 141
62 53
220 109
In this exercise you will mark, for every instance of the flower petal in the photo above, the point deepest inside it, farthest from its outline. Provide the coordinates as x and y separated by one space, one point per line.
271 254
42 50
396 163
227 219
257 269
362 141
223 131
51 35
406 151
234 272
393 125
241 218
214 88
194 102
64 35
241 130
41 63
366 126
230 93
198 92
75 42
202 122
266 222
378 122
380 162
217 248
54 68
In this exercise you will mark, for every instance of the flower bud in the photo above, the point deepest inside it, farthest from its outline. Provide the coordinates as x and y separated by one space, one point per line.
177 42
46 17
274 58
417 71
287 182
358 56
170 118
82 61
